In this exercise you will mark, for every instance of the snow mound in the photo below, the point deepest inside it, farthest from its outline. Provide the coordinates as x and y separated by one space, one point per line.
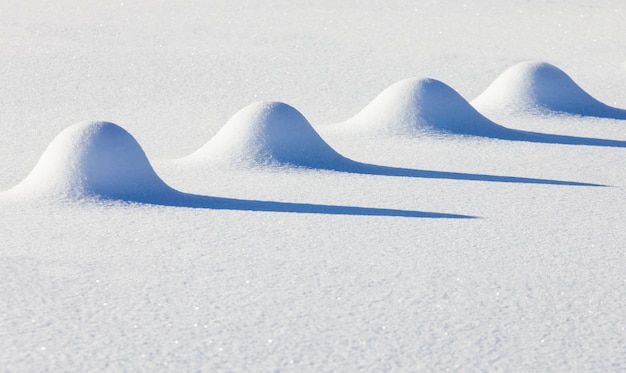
268 133
414 106
94 159
544 87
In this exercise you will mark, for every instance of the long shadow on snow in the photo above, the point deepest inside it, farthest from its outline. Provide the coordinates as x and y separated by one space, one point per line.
370 169
495 132
546 138
347 165
180 199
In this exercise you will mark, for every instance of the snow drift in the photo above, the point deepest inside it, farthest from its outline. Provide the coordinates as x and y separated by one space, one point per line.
418 106
541 86
268 133
94 159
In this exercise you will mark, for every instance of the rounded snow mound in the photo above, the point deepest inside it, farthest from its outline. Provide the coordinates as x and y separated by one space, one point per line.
94 159
544 87
413 106
268 133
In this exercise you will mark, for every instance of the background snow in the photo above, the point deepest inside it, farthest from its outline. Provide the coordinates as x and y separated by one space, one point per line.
536 283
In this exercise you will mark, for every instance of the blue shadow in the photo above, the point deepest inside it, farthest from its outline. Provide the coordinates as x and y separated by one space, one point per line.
343 164
370 169
496 131
180 199
537 137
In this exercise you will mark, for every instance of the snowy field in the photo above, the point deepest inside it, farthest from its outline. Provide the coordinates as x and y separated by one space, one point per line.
312 186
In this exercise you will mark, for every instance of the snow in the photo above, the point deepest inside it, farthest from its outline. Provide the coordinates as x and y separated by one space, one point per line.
423 230
267 133
542 86
422 105
428 107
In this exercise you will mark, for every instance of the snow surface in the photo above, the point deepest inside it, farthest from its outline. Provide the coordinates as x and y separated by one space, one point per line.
332 233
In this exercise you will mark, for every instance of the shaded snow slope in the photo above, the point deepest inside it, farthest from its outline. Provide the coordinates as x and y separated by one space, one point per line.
544 87
268 133
418 106
94 159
